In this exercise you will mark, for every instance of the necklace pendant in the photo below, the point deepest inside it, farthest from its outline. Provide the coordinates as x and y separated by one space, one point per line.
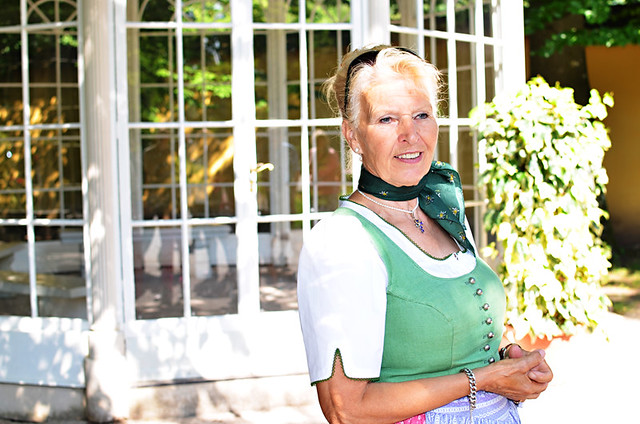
419 224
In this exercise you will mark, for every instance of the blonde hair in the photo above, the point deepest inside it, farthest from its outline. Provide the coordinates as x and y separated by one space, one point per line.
390 62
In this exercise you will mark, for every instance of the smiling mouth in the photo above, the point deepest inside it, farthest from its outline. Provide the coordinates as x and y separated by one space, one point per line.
409 155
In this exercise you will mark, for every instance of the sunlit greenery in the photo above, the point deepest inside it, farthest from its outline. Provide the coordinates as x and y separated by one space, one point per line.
542 171
606 22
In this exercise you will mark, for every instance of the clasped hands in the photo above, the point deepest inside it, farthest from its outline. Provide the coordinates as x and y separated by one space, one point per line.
522 375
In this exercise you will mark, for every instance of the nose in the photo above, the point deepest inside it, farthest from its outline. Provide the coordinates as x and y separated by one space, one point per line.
407 130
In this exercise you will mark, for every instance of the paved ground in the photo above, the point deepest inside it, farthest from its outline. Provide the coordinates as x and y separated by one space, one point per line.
596 381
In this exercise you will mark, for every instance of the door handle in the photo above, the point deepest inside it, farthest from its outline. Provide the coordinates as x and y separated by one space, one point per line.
260 166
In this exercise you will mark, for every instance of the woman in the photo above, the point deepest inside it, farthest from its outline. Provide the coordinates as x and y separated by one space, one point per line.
401 319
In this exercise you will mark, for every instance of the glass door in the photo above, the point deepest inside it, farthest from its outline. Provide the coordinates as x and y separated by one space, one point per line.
296 47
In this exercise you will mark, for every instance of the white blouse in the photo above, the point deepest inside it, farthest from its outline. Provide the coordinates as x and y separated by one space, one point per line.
339 268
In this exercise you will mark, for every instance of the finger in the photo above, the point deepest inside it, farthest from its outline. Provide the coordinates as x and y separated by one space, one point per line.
540 377
532 359
515 351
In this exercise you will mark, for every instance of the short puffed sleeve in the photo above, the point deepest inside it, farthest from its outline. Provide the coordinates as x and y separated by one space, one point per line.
342 299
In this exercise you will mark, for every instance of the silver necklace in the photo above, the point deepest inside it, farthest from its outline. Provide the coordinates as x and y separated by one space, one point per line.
417 222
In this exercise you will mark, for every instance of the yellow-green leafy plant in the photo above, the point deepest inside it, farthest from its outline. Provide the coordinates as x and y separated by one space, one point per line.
541 170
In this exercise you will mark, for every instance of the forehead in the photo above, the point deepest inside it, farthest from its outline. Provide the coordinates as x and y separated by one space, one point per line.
393 92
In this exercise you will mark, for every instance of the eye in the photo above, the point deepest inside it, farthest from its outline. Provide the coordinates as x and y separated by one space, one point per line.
385 120
422 115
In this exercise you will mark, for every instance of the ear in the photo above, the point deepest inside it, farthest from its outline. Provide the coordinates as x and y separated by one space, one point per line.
349 135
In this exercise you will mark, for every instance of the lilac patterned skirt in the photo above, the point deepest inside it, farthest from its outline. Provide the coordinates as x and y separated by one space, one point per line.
490 409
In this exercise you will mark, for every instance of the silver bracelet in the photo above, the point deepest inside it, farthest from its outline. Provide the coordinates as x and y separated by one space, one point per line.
473 391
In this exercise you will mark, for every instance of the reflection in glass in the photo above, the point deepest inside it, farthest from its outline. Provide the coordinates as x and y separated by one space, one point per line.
158 271
151 69
12 181
157 267
14 283
467 158
275 11
60 283
210 172
329 169
60 272
442 147
207 75
206 11
212 256
279 246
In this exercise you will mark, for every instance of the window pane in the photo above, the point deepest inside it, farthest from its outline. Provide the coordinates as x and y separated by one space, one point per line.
51 11
155 173
329 177
277 65
488 13
154 11
279 251
10 14
466 78
214 287
275 11
210 173
490 73
467 158
464 17
206 11
328 11
207 76
152 75
435 18
325 52
60 273
14 283
10 65
279 191
12 181
45 159
69 105
158 280
442 148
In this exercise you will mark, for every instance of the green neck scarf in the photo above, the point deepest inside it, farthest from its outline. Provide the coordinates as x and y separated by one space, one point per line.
439 194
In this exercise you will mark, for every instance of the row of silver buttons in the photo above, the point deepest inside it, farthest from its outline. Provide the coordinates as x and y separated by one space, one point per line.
487 321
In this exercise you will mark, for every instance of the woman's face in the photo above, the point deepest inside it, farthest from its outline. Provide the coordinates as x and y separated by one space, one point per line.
397 132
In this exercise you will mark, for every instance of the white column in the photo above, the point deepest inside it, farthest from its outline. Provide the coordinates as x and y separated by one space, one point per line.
105 366
244 159
370 19
281 253
511 31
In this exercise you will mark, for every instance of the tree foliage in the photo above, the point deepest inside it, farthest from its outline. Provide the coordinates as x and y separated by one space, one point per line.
541 167
606 22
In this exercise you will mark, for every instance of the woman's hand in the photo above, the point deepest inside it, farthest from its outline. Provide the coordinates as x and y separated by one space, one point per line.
524 375
541 373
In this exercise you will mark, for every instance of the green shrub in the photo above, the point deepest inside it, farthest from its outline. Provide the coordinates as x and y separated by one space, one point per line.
541 170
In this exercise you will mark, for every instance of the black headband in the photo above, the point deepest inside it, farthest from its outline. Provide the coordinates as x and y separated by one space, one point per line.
369 58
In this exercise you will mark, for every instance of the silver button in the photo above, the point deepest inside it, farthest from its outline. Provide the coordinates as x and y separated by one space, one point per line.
491 360
490 334
485 306
472 280
487 347
489 321
479 292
